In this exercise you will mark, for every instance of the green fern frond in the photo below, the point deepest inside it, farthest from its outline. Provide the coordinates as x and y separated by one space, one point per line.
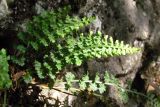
38 68
5 81
49 26
53 41
76 51
97 85
50 40
153 100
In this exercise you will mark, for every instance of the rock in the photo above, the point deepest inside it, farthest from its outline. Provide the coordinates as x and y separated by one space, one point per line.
116 65
138 17
96 25
38 7
3 9
152 74
56 96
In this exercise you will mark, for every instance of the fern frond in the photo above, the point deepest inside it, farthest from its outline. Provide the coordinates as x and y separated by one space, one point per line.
50 39
45 29
98 85
5 81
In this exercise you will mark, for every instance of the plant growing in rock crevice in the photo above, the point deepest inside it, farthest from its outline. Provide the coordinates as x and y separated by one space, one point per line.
53 41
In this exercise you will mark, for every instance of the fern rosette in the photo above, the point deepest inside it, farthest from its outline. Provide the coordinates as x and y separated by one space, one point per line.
53 40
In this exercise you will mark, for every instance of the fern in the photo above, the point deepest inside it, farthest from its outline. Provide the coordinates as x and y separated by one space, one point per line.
46 29
53 41
153 101
76 51
5 81
96 85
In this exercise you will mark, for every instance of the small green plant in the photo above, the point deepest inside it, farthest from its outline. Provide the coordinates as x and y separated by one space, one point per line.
76 51
5 81
153 101
96 85
52 41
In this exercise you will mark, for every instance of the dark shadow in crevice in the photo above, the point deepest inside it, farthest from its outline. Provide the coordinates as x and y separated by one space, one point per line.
150 54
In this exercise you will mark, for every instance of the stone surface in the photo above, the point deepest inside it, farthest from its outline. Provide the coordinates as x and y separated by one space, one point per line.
38 7
3 9
53 97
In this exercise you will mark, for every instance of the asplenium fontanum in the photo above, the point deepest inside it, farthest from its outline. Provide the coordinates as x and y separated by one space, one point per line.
53 41
74 51
45 32
5 81
153 100
95 85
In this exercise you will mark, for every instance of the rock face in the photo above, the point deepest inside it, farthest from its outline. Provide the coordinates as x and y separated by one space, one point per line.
136 22
3 9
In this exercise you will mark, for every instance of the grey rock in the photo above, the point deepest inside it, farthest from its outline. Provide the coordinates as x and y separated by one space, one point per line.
38 7
53 96
3 9
96 25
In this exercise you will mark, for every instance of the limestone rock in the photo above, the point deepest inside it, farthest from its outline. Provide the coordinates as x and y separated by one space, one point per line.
3 9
